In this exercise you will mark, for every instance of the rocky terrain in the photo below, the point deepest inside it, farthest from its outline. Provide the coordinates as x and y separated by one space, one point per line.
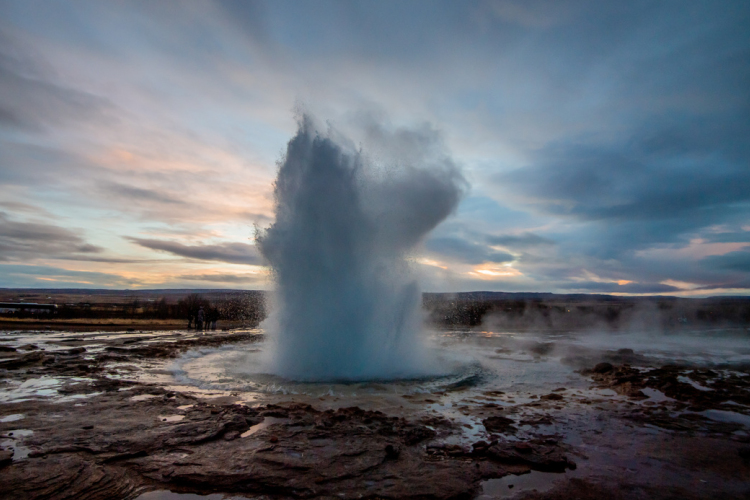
105 435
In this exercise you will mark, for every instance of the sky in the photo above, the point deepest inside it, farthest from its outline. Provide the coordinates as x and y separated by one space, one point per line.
606 145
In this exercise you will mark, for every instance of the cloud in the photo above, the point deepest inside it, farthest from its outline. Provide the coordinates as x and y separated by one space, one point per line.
220 278
593 183
29 240
462 250
729 237
20 207
625 197
634 288
519 240
136 194
598 135
732 261
13 275
234 253
31 100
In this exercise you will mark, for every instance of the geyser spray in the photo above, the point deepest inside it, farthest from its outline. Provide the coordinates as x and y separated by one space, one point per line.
347 304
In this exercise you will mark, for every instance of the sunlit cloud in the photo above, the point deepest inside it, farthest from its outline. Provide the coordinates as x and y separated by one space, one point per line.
599 162
495 272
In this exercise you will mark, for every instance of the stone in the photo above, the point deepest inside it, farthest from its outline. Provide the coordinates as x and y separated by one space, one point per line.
603 368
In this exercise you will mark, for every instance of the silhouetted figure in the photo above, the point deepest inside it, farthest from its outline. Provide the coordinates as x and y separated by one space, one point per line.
214 317
201 318
193 317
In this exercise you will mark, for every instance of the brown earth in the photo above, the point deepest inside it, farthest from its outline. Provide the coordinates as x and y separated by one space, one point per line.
127 437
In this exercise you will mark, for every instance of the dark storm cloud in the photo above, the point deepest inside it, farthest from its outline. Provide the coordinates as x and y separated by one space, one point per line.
729 237
234 253
622 185
679 161
463 250
29 240
732 261
633 201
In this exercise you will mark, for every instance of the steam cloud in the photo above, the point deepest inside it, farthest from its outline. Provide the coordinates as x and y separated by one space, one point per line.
347 305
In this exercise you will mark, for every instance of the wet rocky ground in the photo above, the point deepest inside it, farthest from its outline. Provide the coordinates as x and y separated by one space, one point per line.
76 421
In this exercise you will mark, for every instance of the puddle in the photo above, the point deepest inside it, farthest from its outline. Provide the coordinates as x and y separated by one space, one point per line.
35 387
606 392
42 387
10 442
12 418
687 380
76 397
170 418
170 495
727 416
656 396
259 427
512 486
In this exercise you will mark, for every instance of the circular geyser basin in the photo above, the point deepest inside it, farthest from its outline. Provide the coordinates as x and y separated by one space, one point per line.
479 369
470 363
239 369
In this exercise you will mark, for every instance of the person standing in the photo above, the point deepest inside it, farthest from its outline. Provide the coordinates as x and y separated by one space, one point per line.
201 318
214 317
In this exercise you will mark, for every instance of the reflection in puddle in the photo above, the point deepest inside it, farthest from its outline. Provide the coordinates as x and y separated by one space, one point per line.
688 380
727 416
76 397
656 396
42 387
511 486
170 418
10 442
12 418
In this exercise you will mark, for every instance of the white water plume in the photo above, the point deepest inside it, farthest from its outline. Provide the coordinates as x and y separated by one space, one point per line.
347 304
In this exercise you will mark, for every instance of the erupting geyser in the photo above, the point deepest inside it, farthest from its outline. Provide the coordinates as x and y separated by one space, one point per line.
347 305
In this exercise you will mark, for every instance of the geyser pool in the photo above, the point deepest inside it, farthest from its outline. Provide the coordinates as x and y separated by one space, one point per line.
347 303
239 369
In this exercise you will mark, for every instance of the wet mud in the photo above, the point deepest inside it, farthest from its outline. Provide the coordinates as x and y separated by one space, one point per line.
75 422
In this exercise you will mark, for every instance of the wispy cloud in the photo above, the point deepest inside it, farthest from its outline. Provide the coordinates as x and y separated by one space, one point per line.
462 250
28 240
602 136
234 253
522 240
222 278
